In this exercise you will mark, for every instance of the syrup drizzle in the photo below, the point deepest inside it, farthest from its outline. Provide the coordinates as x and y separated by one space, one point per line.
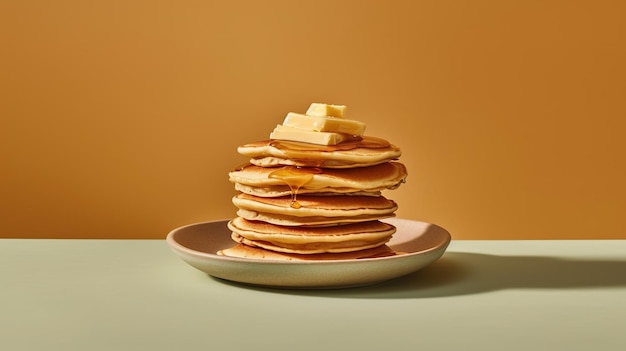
295 178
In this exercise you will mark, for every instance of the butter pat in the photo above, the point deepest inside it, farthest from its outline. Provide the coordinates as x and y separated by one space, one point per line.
282 132
320 110
324 124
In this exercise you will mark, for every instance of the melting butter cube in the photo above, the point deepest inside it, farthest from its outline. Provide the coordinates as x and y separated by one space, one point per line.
324 124
320 110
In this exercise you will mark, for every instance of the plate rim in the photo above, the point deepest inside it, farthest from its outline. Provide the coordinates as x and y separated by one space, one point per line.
175 245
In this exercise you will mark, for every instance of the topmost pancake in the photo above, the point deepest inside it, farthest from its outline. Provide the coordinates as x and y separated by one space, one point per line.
366 151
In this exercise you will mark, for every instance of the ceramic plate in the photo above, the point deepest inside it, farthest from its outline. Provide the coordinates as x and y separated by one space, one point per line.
197 244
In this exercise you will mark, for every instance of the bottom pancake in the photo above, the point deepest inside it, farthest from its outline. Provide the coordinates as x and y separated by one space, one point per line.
245 251
307 240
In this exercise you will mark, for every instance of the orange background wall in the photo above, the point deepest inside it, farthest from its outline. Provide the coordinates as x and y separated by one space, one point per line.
121 119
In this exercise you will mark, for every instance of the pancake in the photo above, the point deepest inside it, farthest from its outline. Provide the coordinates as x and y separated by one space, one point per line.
261 181
284 190
304 240
249 252
314 210
367 151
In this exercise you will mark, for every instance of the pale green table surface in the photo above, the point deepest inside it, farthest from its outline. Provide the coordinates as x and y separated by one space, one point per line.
481 295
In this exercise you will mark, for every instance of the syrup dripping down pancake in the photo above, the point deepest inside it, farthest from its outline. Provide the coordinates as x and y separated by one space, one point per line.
257 180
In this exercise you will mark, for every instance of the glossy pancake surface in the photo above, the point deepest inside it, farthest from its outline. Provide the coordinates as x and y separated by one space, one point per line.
258 181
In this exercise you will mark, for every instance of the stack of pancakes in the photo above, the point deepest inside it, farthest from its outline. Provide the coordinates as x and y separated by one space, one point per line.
302 201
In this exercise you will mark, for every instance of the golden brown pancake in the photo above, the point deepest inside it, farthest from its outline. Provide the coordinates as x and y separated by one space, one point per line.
307 240
245 251
261 181
314 210
365 152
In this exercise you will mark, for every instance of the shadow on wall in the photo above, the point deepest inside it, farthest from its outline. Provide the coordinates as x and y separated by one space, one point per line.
458 273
